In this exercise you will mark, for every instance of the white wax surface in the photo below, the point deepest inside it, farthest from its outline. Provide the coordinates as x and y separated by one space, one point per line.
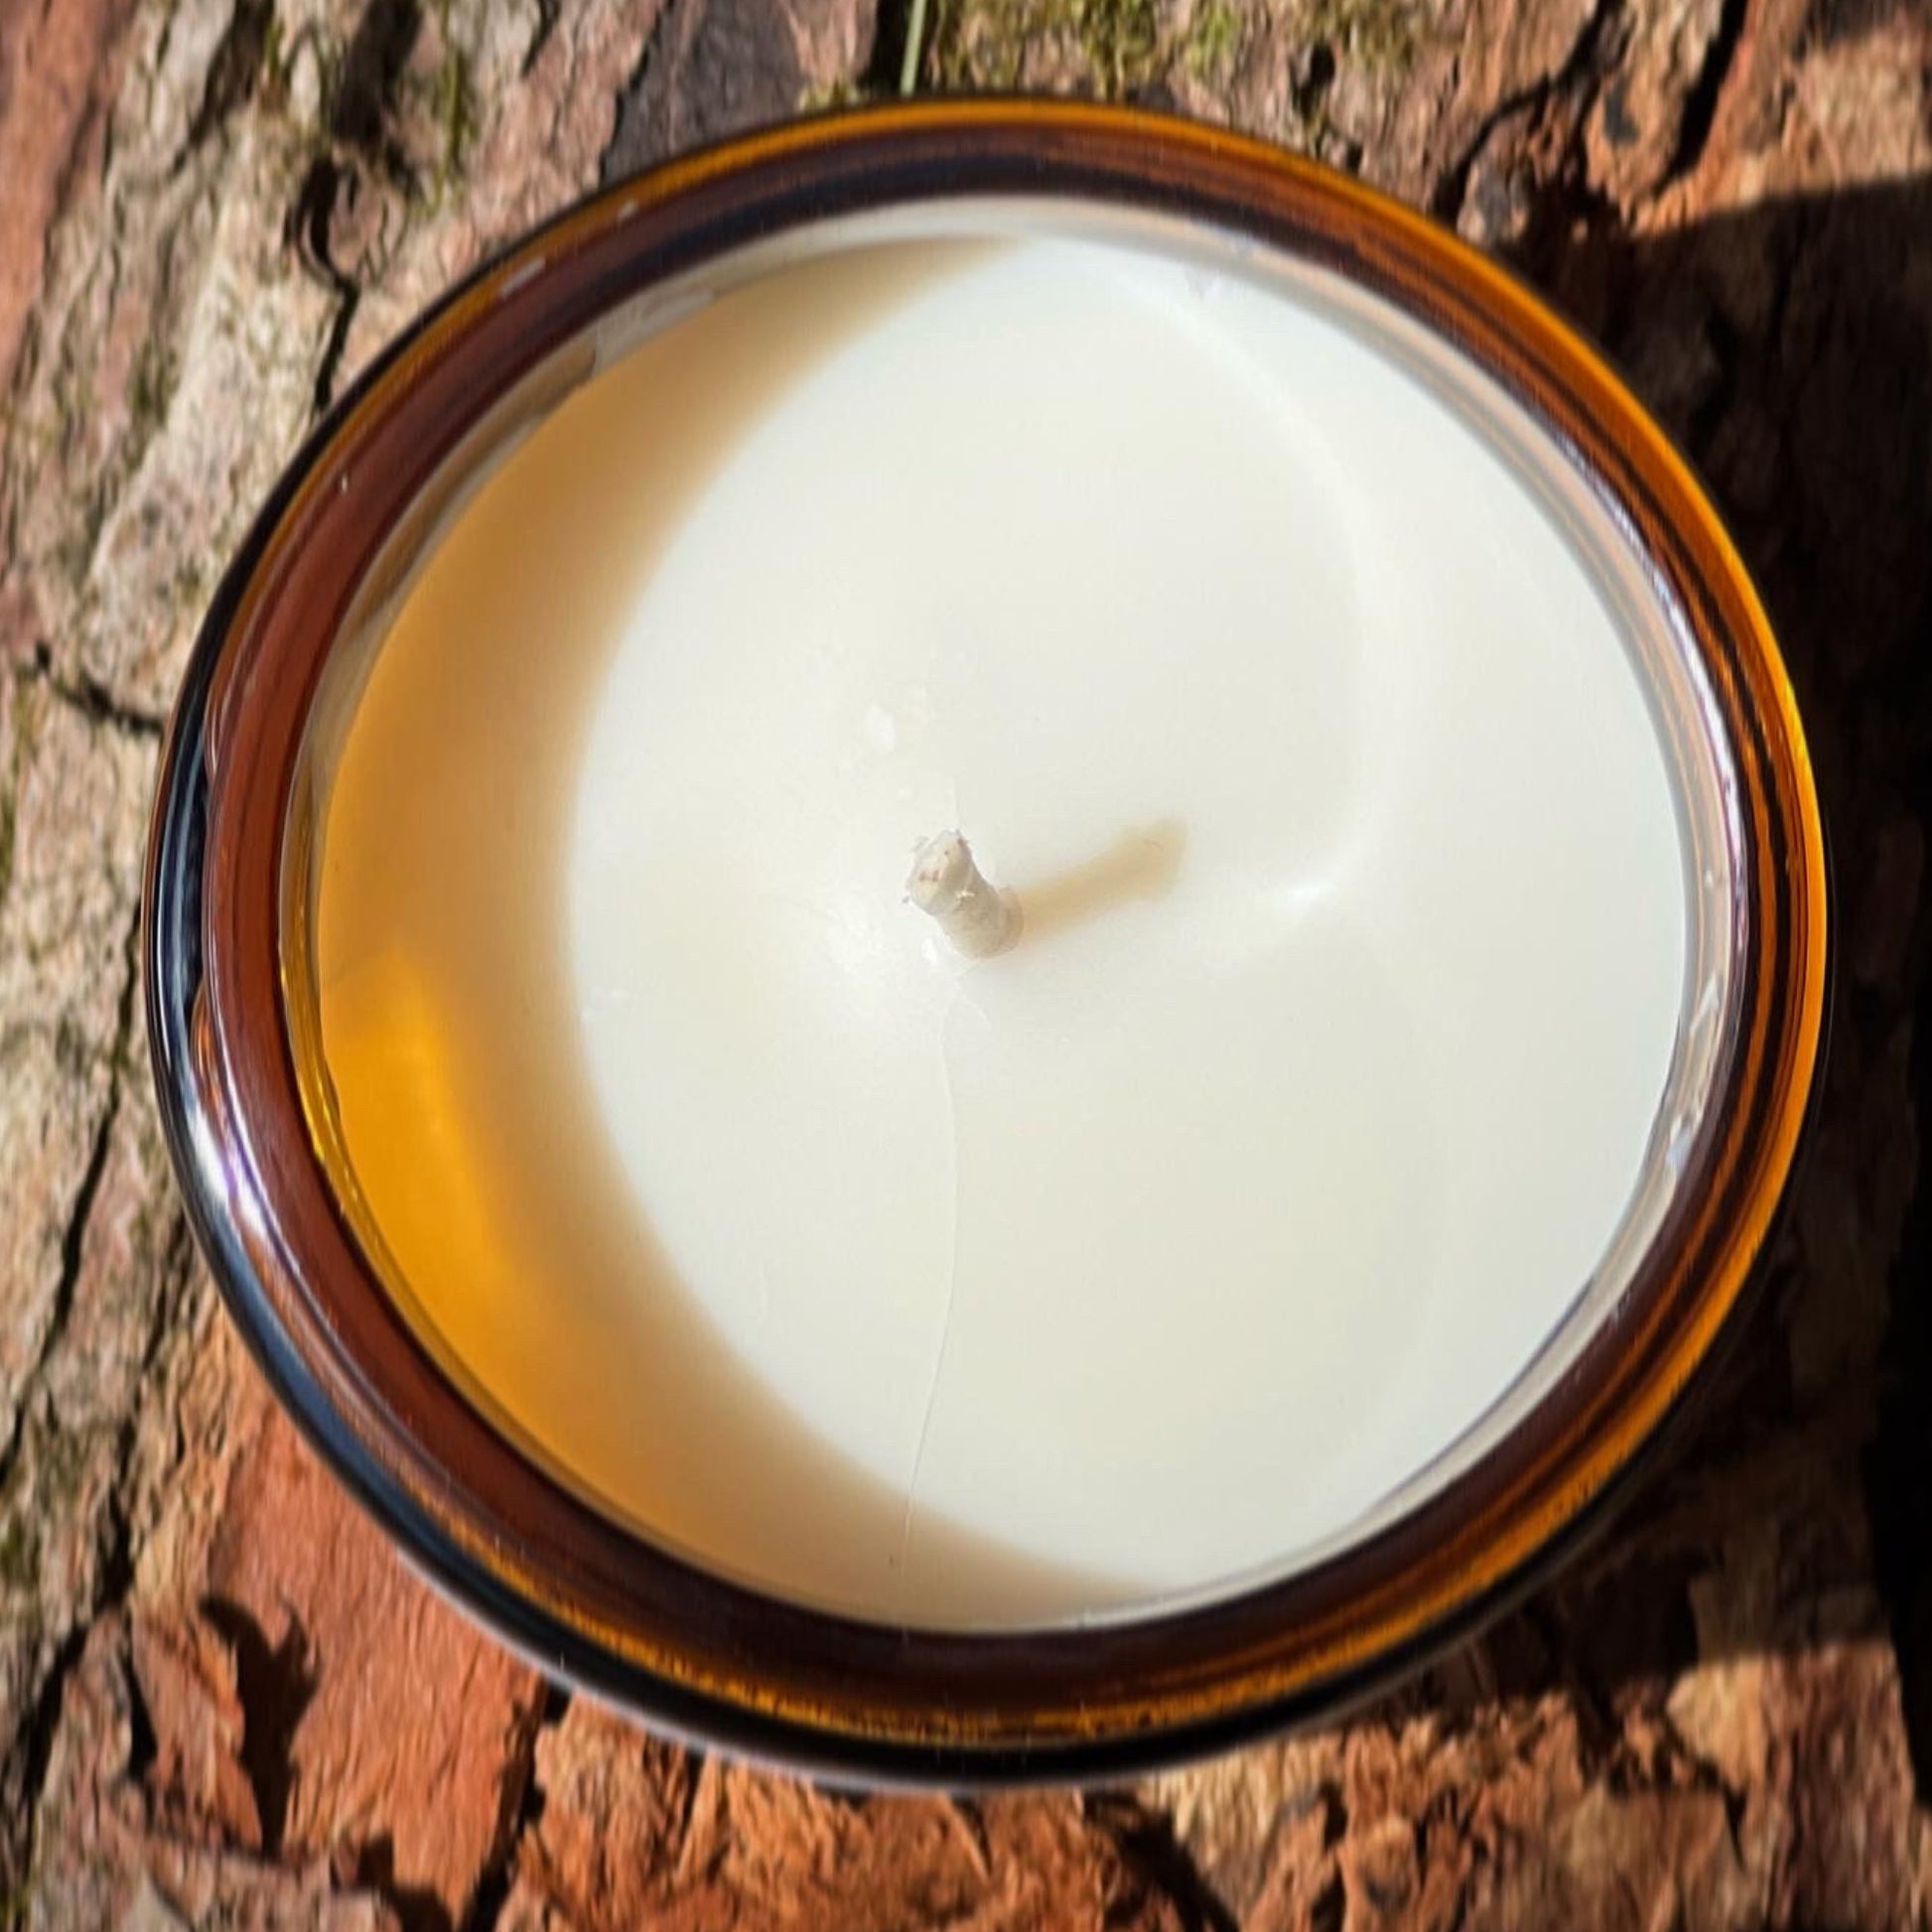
1137 1258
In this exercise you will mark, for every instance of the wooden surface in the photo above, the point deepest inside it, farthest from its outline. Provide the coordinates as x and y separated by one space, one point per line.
223 1702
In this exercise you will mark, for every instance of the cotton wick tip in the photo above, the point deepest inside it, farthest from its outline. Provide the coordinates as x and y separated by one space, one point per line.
977 919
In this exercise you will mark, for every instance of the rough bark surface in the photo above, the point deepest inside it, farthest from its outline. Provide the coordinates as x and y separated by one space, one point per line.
223 1701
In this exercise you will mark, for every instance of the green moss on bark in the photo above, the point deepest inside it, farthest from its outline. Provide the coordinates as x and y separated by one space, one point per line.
986 43
1214 40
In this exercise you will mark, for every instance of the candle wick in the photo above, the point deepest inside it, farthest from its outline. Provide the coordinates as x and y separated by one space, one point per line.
976 916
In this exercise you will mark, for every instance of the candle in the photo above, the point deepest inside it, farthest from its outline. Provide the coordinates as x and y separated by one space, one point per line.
999 932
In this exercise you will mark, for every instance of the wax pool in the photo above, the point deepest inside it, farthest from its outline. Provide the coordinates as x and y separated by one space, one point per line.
1156 1248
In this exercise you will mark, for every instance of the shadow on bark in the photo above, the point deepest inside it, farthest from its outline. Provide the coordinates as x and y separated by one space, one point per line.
1789 350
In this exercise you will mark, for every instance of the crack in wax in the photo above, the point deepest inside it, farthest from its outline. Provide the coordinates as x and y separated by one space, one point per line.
1346 873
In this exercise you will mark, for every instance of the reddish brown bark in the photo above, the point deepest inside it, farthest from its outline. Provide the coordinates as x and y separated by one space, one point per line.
222 1697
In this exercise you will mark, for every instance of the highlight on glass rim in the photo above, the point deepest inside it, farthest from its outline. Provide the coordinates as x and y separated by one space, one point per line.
919 991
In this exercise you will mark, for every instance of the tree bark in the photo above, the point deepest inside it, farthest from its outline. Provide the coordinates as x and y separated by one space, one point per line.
223 1699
